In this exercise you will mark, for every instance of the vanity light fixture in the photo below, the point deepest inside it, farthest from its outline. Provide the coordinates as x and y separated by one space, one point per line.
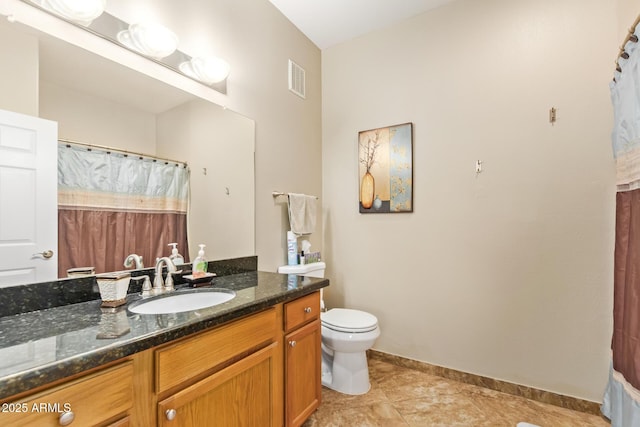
207 70
82 12
150 39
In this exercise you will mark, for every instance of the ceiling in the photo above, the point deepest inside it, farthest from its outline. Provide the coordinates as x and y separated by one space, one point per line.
330 22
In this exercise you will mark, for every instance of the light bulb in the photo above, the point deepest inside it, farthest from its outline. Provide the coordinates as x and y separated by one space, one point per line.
207 70
79 11
150 39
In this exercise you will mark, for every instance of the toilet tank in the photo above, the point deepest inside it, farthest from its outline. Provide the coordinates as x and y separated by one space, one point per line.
315 269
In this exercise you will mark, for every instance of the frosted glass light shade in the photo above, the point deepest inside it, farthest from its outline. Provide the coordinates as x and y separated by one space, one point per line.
206 70
79 11
150 39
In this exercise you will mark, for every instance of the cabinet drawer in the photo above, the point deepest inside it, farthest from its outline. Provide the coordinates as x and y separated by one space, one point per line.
93 400
191 357
301 311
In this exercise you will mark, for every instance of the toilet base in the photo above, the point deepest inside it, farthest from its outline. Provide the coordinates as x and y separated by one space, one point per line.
346 373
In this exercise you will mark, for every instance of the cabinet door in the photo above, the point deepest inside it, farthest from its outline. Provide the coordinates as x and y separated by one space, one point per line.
242 394
302 371
125 422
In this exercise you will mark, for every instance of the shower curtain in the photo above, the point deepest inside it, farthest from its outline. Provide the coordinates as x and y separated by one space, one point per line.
621 403
111 205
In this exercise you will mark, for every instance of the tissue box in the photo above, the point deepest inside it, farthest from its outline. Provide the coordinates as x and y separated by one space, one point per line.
311 257
113 288
81 271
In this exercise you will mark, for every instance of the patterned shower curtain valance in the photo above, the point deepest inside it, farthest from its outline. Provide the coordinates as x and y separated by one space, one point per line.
621 402
625 97
111 204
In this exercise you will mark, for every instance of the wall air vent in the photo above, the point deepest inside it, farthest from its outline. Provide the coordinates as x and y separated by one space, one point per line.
296 79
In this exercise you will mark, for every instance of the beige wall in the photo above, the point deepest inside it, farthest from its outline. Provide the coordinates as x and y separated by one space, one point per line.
86 118
628 11
508 273
19 72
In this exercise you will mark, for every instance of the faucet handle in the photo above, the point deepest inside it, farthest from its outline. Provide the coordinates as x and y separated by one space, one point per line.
168 283
147 291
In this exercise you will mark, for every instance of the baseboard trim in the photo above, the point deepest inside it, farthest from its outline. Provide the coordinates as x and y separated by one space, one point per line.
491 383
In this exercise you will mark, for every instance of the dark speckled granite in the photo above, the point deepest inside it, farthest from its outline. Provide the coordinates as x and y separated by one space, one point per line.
40 296
39 347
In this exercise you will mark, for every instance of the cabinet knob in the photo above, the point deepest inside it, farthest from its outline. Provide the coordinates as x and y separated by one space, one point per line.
307 309
171 414
66 418
292 343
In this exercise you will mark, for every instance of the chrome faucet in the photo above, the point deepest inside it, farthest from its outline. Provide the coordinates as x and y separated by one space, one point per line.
134 260
160 286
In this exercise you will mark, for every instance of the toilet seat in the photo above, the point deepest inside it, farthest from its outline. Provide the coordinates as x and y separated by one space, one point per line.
348 320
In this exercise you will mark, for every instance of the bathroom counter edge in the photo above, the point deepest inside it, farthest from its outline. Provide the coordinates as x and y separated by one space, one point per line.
79 347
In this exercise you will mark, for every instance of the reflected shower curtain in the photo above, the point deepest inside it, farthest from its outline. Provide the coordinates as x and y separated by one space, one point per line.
111 205
621 403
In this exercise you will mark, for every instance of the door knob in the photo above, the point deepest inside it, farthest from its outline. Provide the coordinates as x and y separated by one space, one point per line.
46 254
307 309
292 343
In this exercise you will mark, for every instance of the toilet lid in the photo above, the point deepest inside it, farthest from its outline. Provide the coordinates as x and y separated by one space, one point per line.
347 320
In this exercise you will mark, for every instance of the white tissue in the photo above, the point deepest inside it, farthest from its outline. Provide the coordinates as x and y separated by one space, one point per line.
305 246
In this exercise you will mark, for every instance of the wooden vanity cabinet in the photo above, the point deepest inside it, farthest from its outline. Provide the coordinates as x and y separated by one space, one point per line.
260 370
230 376
302 342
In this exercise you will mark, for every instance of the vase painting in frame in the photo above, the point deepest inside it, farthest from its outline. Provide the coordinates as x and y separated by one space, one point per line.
386 169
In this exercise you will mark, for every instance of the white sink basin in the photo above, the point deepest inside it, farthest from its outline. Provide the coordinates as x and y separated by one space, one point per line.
180 301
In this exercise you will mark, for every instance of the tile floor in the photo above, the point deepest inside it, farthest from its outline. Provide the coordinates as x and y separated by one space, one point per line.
406 397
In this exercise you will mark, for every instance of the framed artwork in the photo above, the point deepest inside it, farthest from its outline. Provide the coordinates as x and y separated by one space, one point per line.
386 169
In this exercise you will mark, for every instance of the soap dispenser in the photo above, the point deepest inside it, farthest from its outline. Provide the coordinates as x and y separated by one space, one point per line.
200 264
175 256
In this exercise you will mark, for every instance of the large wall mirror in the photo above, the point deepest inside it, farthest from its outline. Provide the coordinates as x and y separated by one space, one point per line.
98 101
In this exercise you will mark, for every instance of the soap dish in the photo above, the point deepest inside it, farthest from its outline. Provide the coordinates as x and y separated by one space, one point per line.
199 281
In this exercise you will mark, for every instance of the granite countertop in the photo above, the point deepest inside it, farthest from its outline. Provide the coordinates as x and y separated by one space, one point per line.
43 346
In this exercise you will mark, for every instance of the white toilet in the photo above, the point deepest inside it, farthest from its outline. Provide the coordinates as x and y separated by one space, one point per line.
346 336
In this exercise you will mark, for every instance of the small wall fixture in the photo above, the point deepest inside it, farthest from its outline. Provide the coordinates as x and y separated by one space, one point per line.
150 39
206 70
82 12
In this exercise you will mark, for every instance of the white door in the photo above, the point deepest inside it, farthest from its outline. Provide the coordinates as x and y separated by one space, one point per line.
28 199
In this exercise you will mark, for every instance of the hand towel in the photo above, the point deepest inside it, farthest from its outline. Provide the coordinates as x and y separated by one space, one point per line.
302 213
